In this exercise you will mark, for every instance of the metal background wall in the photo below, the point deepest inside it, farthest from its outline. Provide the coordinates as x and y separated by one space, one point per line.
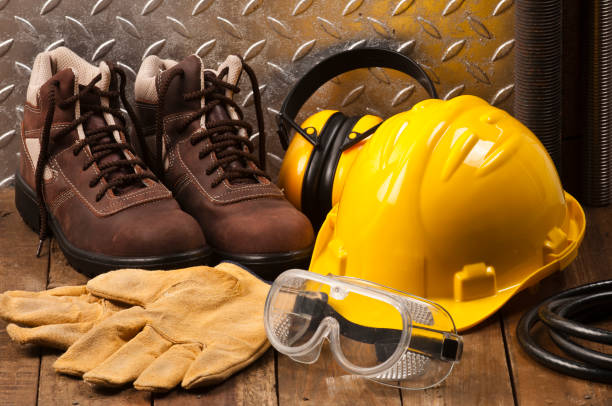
464 45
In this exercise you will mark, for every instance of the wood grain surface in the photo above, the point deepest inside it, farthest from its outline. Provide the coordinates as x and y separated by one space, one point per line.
253 386
58 389
534 384
324 383
20 269
482 376
493 371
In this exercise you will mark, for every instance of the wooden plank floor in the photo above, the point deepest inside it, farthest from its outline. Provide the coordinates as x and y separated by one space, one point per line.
493 371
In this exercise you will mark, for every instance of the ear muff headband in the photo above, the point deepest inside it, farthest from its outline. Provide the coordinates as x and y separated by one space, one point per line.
317 185
335 65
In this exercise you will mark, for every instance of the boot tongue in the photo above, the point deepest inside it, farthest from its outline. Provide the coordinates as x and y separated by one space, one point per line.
97 120
100 120
222 112
194 81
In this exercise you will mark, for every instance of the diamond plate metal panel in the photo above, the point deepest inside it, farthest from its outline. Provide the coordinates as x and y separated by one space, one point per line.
466 47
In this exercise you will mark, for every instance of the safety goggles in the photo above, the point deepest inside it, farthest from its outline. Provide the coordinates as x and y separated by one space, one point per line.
374 331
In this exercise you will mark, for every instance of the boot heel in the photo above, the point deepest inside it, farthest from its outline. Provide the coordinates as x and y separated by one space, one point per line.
25 201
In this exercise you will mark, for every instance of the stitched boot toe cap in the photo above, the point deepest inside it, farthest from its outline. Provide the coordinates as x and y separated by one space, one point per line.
268 226
157 234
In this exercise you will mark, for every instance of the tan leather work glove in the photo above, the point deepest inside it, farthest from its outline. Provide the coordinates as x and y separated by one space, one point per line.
194 326
55 317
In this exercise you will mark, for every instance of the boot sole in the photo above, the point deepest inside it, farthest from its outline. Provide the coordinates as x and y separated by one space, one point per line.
91 263
269 266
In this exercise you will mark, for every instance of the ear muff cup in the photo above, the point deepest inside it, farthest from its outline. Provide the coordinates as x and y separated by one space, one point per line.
330 164
317 162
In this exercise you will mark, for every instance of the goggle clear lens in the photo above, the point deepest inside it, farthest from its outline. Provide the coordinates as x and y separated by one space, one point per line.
370 331
294 315
433 348
368 325
428 359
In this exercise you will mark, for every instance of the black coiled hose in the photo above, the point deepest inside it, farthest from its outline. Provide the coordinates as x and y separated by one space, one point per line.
555 312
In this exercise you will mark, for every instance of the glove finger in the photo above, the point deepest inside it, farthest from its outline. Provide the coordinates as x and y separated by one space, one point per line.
168 370
40 309
59 336
219 361
247 280
234 269
99 343
240 273
130 360
59 291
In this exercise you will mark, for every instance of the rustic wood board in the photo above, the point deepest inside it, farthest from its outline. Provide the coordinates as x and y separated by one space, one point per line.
534 384
324 382
482 377
58 389
255 385
20 269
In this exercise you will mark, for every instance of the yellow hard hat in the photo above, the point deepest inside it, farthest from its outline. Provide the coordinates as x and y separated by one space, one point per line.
454 201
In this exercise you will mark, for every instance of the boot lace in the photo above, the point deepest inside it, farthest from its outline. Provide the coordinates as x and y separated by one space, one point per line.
100 140
229 147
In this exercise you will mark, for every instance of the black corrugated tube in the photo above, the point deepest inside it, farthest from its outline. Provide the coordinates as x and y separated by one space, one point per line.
537 71
597 144
565 316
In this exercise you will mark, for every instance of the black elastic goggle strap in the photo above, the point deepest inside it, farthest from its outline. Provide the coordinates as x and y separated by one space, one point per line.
335 65
449 348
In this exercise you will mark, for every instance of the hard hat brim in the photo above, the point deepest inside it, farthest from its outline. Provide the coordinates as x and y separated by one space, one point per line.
467 314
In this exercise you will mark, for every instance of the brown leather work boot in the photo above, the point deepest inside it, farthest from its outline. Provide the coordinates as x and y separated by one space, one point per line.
79 179
199 144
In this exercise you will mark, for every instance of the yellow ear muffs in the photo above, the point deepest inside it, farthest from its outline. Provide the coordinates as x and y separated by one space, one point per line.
298 157
313 176
326 144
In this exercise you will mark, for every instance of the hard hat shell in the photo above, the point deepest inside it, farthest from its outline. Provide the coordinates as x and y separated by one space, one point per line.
454 201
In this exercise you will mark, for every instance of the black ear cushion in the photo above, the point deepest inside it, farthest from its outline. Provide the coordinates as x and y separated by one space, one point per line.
329 166
312 176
